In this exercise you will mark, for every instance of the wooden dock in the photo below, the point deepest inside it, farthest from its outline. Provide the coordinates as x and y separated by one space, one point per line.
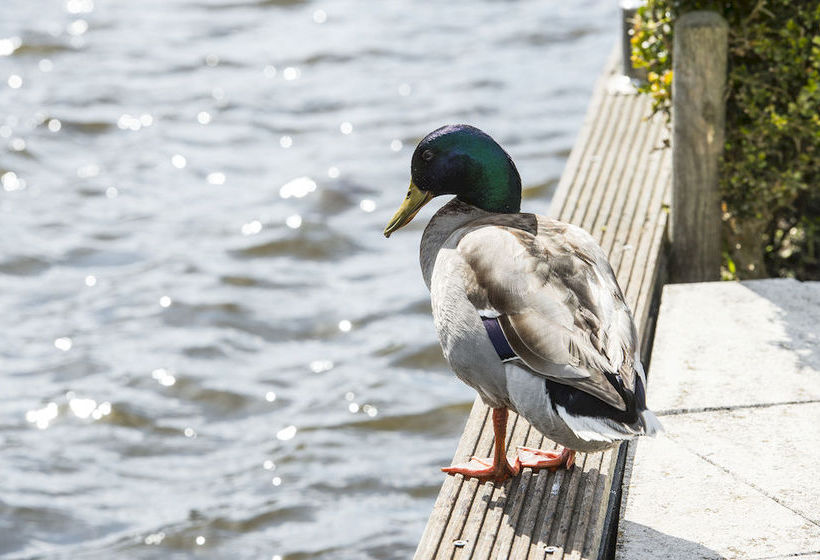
616 185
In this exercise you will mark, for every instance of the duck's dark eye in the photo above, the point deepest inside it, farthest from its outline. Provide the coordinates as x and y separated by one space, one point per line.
427 155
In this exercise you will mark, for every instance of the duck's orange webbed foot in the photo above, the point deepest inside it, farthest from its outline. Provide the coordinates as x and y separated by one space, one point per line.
484 470
498 469
539 459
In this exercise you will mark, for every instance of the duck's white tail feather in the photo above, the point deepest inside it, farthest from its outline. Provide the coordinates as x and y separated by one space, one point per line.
651 425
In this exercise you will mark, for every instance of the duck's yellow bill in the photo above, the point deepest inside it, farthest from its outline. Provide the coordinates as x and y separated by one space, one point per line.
416 198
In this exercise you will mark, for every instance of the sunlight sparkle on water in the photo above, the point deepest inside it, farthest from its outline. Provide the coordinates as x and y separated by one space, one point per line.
333 172
297 188
294 222
252 228
41 417
86 171
370 410
269 71
270 396
268 465
79 6
216 178
291 73
63 343
11 182
165 301
90 280
350 395
189 433
18 144
54 125
45 65
112 192
396 145
88 408
367 205
154 538
212 60
5 131
345 325
353 408
346 127
134 122
178 161
15 81
286 142
200 540
77 27
320 366
405 90
276 481
319 16
164 377
286 433
82 408
8 46
203 117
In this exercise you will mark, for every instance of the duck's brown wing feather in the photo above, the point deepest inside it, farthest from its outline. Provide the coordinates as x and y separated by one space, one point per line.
560 305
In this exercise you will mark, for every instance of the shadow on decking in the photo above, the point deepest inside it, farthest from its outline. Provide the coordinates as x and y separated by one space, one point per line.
654 544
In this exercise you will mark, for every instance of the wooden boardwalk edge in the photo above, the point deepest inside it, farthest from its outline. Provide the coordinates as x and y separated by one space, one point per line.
616 186
622 472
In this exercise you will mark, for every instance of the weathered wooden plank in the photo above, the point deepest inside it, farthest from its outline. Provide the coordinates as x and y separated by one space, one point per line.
634 248
516 506
629 235
557 538
596 520
469 489
485 495
589 140
532 502
615 186
610 167
598 165
592 469
494 510
445 503
620 212
647 269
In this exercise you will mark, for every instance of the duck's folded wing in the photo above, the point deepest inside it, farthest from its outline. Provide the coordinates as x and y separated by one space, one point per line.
558 302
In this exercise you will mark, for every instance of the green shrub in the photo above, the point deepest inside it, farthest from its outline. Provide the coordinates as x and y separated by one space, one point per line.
770 173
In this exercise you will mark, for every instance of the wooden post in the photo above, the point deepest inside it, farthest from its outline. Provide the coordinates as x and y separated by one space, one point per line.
698 114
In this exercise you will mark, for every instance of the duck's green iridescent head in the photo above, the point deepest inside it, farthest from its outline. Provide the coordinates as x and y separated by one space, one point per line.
463 161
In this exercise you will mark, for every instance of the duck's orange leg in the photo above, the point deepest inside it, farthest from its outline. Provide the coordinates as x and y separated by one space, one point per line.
497 469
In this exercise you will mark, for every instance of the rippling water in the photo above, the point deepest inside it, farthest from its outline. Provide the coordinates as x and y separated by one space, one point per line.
208 348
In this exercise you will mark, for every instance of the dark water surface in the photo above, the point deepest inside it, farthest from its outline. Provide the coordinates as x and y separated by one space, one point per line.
208 348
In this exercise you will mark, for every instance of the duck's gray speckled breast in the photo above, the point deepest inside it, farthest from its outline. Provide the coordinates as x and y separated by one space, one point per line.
464 341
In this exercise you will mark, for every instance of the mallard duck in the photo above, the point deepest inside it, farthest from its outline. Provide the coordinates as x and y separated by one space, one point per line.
527 309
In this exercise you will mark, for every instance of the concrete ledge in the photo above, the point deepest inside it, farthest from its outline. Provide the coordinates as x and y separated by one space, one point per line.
725 344
736 367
